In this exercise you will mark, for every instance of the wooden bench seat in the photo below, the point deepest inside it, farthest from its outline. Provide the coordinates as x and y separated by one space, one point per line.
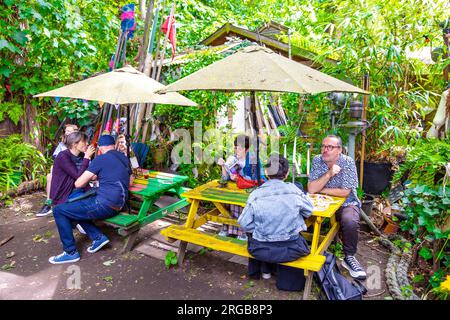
123 219
234 246
144 193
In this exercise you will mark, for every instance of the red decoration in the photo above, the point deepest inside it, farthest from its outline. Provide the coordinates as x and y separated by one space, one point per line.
172 33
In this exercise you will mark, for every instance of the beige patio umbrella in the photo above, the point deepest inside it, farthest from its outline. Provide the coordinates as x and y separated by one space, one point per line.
256 68
121 86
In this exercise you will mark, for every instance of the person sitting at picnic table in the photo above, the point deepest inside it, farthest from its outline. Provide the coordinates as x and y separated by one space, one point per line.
274 217
334 174
121 144
68 167
239 168
113 171
47 206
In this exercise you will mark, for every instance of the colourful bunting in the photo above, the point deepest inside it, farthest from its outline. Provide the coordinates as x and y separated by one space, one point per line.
128 22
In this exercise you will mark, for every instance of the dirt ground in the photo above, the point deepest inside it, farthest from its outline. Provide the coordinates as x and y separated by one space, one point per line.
25 272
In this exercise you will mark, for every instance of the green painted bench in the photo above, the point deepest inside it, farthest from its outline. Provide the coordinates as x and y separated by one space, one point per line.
144 192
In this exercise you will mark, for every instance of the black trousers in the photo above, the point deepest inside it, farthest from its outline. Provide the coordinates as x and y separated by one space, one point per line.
348 218
269 254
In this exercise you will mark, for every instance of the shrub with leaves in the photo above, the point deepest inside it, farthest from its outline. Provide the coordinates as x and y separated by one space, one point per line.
17 158
425 162
428 217
74 109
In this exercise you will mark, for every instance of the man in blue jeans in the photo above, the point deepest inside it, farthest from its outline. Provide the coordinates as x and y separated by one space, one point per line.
113 172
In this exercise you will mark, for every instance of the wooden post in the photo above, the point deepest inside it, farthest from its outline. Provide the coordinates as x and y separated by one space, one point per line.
149 58
446 35
308 284
155 67
289 44
142 63
146 40
257 131
140 108
142 9
366 86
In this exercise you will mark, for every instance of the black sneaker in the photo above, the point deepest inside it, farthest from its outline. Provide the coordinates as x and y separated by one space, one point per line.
45 211
354 268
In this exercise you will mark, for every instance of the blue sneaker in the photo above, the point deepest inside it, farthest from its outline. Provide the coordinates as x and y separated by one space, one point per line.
98 244
64 258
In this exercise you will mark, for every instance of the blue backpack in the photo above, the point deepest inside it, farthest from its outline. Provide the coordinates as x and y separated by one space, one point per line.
334 286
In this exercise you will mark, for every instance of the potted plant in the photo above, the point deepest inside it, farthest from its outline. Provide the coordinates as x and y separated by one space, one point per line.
379 167
159 150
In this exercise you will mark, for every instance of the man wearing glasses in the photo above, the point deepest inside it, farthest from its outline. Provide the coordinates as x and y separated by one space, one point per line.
334 174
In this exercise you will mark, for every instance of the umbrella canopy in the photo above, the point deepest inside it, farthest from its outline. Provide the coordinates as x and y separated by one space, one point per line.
256 68
121 86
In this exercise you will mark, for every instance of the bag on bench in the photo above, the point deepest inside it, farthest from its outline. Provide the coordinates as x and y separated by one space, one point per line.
334 286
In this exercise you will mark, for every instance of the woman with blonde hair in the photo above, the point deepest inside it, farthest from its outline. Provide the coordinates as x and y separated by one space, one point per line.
121 144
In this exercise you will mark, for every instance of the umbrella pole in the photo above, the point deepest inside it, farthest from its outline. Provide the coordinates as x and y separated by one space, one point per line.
253 111
127 139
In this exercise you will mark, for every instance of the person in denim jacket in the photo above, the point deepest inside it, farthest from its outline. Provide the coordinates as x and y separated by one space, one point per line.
274 217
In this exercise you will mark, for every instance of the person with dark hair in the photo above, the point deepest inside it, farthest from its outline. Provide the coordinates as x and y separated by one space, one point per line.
47 206
113 171
239 167
274 217
334 174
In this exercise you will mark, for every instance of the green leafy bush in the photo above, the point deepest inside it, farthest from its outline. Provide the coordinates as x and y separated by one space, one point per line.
427 204
427 210
75 109
13 110
425 162
428 213
19 159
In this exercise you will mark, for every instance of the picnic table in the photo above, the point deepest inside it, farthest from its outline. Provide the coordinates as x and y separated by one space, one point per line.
145 190
213 192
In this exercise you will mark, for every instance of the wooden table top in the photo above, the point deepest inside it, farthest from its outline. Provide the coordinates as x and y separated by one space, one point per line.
231 194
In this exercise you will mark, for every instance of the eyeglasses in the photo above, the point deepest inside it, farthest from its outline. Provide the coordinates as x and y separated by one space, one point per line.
329 147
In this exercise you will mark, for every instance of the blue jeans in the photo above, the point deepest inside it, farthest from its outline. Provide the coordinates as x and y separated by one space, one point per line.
82 212
75 193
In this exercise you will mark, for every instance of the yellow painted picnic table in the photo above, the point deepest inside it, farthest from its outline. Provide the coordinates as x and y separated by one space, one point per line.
219 196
